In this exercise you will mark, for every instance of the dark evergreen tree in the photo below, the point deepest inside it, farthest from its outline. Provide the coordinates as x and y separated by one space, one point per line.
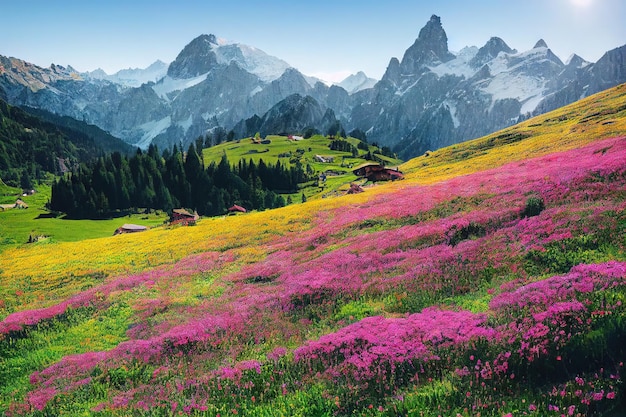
359 134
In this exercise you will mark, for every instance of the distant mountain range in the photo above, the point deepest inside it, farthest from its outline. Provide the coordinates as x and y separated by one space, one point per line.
428 99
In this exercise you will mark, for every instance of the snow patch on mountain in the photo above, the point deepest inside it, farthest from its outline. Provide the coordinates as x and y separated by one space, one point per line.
458 66
451 107
186 124
151 130
256 90
169 85
527 90
251 59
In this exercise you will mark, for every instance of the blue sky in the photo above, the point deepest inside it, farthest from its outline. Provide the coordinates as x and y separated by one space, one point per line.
327 38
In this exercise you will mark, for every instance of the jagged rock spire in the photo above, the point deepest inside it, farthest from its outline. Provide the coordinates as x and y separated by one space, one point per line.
430 47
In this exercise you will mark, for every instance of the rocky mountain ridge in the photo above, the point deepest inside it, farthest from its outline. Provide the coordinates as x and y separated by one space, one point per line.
430 98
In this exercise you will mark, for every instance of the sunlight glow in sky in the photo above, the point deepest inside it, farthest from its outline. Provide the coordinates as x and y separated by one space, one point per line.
329 38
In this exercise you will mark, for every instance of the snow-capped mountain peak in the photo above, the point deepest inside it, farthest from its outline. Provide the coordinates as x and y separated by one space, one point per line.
206 52
251 59
133 77
357 82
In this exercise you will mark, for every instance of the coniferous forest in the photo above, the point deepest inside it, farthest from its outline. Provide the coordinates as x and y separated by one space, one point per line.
151 180
33 144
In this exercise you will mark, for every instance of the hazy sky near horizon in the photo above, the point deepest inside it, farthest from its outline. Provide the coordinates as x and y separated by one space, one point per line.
325 38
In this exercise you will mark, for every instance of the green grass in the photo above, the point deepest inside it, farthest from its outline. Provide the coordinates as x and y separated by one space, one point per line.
8 193
17 225
304 151
79 331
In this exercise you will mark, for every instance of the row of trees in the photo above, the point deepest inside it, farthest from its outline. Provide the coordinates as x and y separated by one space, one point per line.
172 179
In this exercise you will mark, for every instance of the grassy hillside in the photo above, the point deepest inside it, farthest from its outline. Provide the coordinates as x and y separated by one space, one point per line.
33 145
600 116
287 151
491 281
7 192
17 226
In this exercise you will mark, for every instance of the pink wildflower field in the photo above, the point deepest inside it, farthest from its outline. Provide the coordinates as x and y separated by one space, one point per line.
494 293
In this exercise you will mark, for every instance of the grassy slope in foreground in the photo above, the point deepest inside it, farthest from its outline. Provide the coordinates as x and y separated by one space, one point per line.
270 316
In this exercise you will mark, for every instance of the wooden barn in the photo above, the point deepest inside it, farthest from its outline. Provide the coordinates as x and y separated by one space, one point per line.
182 216
236 209
376 172
129 228
355 189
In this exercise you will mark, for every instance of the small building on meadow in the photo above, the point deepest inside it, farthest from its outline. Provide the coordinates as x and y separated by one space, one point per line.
355 189
129 228
19 204
182 216
377 172
236 209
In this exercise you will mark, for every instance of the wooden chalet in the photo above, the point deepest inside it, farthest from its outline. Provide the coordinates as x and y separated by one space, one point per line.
129 228
377 172
355 189
182 216
237 209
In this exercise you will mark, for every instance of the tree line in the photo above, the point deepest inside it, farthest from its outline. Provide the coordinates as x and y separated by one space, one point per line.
163 181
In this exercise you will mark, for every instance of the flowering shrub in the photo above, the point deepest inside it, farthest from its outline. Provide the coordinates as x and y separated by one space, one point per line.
376 356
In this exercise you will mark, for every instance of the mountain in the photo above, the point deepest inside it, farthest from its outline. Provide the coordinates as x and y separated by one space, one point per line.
357 82
428 99
293 115
433 98
35 141
211 83
132 77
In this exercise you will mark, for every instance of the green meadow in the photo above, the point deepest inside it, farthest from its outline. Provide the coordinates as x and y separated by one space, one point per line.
282 149
17 226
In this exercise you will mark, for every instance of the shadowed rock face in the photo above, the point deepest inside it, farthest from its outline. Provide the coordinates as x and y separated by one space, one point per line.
195 59
294 114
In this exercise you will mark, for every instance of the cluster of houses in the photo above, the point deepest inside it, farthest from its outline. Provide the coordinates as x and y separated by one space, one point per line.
259 141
